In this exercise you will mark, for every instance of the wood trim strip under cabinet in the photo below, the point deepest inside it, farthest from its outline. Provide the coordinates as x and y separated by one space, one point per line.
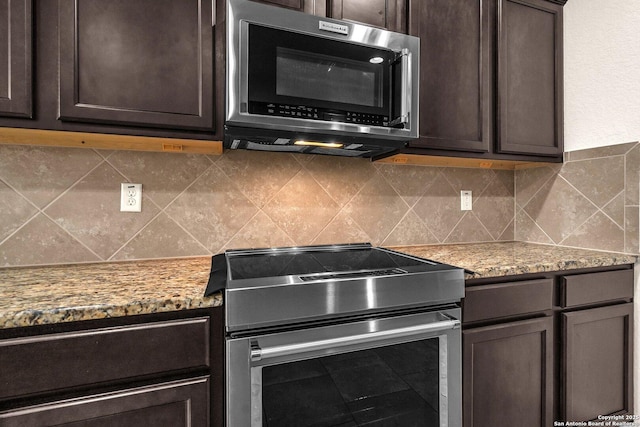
54 138
461 162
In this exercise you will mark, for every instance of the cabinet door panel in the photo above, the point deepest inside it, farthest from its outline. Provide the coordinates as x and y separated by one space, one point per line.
15 58
508 374
389 14
315 7
530 77
597 362
455 48
180 403
147 62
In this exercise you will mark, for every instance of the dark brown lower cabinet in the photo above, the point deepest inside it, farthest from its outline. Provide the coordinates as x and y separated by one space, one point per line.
597 362
161 369
508 374
540 348
179 403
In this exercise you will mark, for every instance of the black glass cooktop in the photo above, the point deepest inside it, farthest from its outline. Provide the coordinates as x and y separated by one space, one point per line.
267 287
262 268
322 260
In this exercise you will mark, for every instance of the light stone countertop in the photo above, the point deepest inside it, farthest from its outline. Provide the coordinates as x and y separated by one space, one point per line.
66 293
45 295
512 258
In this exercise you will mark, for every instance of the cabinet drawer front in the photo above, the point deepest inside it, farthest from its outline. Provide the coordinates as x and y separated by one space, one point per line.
179 403
507 299
57 361
596 287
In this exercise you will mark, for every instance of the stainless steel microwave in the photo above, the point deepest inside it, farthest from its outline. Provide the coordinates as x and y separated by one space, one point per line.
302 83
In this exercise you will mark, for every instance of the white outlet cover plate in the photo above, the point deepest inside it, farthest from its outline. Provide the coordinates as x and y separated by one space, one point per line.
466 200
130 197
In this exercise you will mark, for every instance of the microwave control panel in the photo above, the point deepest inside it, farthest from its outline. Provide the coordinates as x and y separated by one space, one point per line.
314 113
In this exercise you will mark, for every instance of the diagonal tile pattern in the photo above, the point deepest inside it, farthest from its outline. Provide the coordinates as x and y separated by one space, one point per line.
588 178
377 208
197 204
257 176
60 205
42 241
341 178
591 201
494 206
41 174
301 208
441 211
90 212
559 209
161 238
14 209
212 209
165 175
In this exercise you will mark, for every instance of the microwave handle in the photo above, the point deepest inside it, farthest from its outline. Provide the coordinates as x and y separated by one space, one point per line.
405 89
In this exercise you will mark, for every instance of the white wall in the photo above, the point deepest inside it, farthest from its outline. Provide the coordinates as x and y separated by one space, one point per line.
601 73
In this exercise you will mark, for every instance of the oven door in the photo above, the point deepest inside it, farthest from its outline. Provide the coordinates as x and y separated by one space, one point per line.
403 370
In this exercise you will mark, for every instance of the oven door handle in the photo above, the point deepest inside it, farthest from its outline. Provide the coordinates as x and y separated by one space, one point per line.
260 353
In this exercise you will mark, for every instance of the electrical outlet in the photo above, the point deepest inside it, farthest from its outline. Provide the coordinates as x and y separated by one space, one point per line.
466 200
130 197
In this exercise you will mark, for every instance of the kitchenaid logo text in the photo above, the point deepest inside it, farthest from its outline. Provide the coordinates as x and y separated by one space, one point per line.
334 28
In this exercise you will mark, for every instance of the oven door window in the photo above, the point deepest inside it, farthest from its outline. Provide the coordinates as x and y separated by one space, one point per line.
296 69
400 370
394 385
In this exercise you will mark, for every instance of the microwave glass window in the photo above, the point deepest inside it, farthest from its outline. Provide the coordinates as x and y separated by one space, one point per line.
394 385
313 76
286 68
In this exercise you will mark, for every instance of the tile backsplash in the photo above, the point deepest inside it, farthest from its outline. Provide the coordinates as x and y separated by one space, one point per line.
591 201
60 205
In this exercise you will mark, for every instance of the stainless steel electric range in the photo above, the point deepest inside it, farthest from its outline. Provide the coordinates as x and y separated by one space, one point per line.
340 335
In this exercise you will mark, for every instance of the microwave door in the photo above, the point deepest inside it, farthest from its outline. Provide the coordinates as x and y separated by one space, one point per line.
401 96
296 75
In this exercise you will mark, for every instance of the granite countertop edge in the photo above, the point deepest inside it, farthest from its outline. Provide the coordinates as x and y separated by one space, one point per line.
31 296
66 293
499 259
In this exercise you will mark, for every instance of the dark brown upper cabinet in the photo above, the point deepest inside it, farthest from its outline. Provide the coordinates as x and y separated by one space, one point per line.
389 14
491 78
15 58
315 7
455 73
145 63
530 77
